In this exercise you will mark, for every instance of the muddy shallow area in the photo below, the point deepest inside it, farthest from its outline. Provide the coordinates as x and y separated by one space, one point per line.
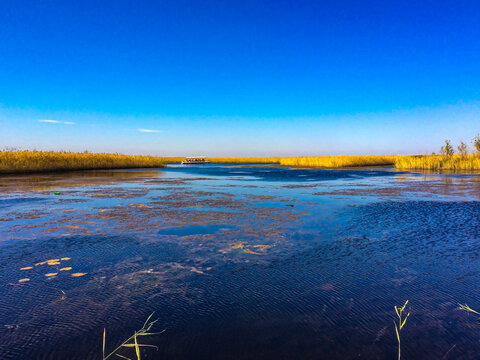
240 262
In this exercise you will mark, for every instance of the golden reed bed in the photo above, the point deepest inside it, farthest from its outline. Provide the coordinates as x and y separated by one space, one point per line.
314 161
339 161
438 162
245 160
36 161
33 161
406 162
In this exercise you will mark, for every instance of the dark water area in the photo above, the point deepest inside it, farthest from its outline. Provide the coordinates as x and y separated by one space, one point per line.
240 262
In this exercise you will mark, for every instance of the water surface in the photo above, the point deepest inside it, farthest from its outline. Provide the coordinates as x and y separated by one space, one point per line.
240 262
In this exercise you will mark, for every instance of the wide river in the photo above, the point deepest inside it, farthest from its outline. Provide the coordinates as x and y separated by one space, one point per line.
240 262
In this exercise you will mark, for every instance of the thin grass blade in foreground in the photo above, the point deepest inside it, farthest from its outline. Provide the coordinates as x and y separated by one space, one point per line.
132 341
467 309
401 323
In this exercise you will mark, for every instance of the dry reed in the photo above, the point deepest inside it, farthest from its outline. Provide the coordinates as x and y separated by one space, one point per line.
401 323
35 161
244 160
438 162
131 342
339 161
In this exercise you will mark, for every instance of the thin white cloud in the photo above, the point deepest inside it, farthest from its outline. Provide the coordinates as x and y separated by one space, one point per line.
50 121
149 130
57 122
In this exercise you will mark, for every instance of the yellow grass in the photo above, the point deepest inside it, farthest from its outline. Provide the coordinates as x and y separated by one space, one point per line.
438 162
313 161
132 342
402 319
338 161
245 160
31 161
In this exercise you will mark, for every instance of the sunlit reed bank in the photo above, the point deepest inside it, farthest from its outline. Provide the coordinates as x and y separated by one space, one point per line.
35 161
438 162
339 161
245 160
313 161
32 161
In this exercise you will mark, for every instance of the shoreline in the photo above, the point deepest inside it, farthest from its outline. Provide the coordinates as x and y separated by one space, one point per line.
30 162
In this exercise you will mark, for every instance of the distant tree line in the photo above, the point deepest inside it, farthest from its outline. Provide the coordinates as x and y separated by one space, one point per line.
462 148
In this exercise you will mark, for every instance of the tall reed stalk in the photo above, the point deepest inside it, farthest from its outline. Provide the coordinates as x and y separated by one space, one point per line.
132 341
401 323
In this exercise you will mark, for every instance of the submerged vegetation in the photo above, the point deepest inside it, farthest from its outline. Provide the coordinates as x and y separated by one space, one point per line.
25 161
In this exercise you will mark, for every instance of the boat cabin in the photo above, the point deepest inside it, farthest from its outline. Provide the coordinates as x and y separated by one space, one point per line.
195 160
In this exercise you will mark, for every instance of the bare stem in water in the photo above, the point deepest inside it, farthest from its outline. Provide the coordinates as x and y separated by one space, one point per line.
401 323
467 309
132 341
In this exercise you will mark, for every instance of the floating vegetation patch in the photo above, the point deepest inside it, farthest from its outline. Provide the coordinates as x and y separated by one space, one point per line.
51 262
141 206
78 274
262 247
238 245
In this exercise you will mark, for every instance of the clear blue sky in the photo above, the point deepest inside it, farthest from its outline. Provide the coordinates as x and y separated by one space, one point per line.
239 77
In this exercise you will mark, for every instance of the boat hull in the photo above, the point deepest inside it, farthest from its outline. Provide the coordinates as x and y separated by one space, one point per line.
195 162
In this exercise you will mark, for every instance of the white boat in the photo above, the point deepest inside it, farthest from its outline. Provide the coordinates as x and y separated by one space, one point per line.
195 160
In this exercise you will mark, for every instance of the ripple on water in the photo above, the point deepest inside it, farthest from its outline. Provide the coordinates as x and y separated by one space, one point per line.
326 292
195 229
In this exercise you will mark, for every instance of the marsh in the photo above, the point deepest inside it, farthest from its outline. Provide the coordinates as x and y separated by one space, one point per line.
240 262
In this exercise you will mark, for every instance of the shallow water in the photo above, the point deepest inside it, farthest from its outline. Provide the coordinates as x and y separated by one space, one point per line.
240 262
